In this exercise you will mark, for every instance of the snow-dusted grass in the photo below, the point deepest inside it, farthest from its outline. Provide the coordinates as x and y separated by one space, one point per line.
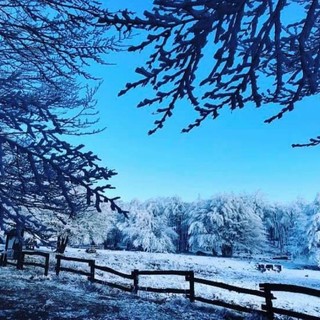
24 295
238 272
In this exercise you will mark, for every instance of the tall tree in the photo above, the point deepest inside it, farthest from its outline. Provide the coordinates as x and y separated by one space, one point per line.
220 54
175 212
226 223
314 238
279 220
297 232
148 227
45 46
312 230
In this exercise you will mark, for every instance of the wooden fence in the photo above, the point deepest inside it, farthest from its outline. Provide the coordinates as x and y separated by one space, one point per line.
230 288
21 262
268 288
45 265
265 291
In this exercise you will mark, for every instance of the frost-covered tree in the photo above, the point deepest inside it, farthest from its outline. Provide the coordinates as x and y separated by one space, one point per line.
312 230
279 220
224 224
175 212
90 226
292 228
86 227
314 239
226 53
147 228
45 46
204 224
48 224
297 233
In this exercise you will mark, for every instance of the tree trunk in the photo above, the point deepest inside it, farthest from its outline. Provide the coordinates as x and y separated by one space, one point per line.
226 250
62 244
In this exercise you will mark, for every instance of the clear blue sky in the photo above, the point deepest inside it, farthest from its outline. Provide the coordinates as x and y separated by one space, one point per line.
235 153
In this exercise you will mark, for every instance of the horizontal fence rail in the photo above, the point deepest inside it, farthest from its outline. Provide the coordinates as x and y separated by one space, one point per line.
265 292
189 276
227 305
45 265
117 273
229 287
271 310
21 262
89 262
110 270
4 260
164 290
113 285
164 272
291 288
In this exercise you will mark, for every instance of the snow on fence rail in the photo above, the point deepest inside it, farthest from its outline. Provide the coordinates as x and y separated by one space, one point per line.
265 288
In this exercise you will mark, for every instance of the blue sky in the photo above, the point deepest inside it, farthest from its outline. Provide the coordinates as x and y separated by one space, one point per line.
235 153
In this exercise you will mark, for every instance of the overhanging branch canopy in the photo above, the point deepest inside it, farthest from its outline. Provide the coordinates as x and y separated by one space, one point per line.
226 54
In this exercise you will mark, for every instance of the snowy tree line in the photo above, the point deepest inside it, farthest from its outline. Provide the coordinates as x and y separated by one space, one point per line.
224 225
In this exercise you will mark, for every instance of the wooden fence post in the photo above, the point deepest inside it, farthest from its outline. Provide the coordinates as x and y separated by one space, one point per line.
46 269
58 264
92 267
190 278
3 259
135 275
20 260
268 297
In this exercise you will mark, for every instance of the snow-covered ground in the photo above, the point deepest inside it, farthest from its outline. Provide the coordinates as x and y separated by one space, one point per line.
26 296
239 272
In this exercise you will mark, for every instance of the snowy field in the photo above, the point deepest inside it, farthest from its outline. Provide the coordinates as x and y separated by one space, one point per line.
233 271
238 272
26 296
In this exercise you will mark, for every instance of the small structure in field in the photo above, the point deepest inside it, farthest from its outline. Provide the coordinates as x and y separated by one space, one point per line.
14 241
